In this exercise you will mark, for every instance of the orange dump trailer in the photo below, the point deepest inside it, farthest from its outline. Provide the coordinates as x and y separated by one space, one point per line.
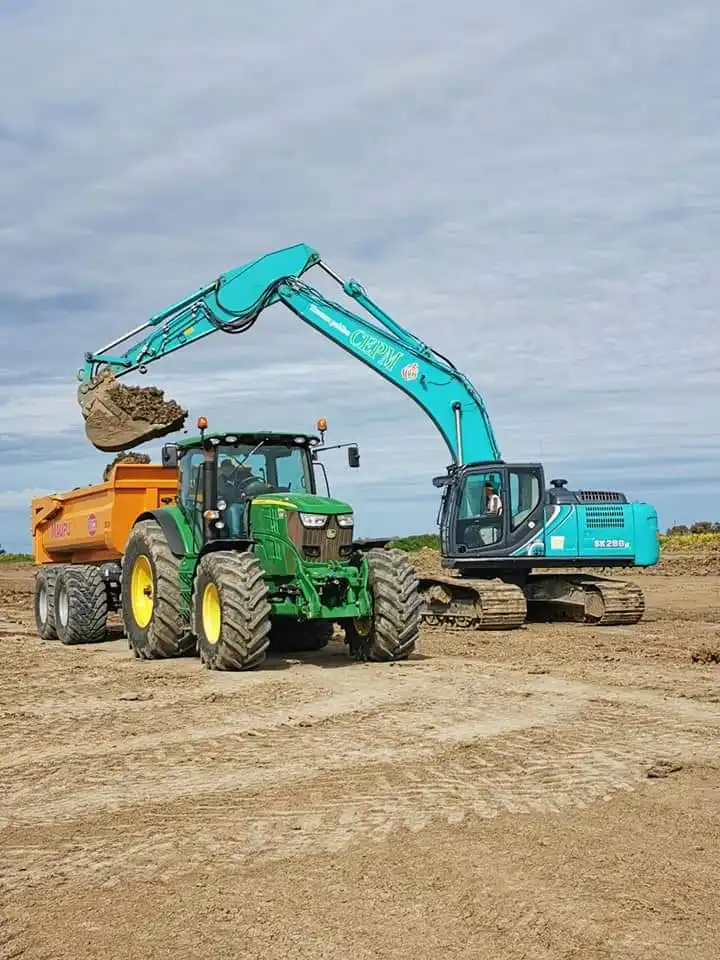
92 524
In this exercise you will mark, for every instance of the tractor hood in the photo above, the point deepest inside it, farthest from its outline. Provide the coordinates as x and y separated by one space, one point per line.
303 503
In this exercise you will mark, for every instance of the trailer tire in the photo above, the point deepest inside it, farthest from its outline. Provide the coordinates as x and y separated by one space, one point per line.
80 605
231 611
150 596
394 630
44 600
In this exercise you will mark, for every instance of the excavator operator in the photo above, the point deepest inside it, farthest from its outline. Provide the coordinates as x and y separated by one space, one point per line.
493 503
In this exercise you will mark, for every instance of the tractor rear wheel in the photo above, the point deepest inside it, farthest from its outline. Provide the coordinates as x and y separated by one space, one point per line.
394 628
231 611
80 604
151 596
44 601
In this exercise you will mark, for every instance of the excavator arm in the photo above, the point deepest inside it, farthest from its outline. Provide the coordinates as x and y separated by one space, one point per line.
119 417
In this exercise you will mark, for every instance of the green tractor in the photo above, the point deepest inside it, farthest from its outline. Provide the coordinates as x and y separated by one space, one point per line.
252 556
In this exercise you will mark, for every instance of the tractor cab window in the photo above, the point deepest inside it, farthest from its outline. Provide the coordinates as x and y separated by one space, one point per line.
291 469
191 481
480 510
245 470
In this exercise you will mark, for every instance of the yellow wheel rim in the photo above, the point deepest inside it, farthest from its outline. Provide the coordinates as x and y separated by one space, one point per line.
211 613
363 626
141 591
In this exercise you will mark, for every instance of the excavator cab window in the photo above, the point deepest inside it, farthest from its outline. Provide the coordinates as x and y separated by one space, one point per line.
525 495
480 514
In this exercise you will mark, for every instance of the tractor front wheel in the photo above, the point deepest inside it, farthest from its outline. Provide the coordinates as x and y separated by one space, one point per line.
231 611
151 596
394 628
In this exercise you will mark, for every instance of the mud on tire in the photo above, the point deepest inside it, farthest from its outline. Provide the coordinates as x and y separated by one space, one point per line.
231 611
155 630
80 604
44 600
397 605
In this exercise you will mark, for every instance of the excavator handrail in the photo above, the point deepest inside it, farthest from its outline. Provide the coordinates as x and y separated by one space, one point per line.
236 299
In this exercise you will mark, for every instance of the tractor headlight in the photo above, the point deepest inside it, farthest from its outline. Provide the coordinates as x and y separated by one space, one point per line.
344 519
221 505
313 519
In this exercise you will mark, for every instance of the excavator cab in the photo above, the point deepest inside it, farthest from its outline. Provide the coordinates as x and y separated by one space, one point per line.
500 516
490 510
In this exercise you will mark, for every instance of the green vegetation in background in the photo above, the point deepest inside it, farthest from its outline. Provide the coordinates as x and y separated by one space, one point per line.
690 542
417 542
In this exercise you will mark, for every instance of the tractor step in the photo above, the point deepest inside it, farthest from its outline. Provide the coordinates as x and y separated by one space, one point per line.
472 604
584 598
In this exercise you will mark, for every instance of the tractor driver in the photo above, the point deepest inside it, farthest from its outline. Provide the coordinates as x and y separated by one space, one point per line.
235 486
236 481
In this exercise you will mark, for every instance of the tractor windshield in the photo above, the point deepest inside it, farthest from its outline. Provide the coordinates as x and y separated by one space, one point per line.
264 468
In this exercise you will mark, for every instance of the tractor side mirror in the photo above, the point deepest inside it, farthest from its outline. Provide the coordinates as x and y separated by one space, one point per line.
170 455
441 481
353 455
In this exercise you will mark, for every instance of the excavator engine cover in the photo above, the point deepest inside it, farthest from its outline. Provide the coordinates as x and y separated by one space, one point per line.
119 417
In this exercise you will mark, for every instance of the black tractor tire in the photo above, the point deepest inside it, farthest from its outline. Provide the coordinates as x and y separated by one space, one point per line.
44 600
81 604
231 611
395 627
155 631
301 636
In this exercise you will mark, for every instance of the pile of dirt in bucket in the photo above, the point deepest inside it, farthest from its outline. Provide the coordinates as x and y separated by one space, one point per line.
119 417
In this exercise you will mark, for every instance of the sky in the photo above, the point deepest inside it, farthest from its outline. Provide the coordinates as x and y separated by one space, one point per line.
532 188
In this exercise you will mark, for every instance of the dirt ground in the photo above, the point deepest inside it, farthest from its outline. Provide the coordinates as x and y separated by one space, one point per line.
550 793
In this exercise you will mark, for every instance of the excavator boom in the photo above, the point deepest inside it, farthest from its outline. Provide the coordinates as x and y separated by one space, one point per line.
118 417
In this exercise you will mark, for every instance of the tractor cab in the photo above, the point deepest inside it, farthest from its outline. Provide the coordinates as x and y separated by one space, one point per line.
220 474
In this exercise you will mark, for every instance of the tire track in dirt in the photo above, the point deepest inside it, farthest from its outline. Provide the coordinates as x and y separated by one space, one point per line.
484 751
12 941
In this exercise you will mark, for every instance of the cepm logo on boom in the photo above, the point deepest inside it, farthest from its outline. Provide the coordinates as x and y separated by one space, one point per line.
410 371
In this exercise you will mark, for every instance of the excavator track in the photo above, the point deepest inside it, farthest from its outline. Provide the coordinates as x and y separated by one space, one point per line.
472 604
585 598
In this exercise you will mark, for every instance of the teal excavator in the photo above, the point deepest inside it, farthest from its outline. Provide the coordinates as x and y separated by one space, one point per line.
512 545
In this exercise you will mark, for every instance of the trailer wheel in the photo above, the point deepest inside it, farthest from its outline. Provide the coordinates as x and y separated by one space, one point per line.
80 603
394 628
231 611
150 596
44 601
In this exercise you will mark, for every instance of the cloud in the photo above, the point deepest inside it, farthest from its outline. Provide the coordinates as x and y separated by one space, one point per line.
532 189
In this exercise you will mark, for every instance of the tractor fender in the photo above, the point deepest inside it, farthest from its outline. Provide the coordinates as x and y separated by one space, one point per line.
169 526
237 544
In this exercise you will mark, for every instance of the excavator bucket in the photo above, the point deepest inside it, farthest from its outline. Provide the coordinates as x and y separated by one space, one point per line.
119 417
